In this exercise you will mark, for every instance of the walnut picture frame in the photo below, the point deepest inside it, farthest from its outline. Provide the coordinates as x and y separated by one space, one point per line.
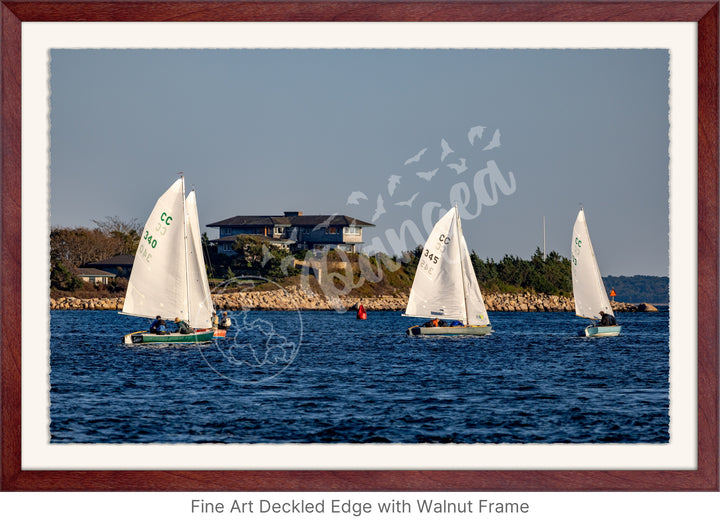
15 478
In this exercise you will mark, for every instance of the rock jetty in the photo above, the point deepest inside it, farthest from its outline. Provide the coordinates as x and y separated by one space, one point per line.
296 298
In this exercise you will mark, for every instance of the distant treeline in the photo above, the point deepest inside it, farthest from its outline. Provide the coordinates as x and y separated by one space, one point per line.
550 275
71 248
511 274
639 288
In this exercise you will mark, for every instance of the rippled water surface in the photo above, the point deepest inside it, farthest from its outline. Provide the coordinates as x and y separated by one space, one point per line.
315 377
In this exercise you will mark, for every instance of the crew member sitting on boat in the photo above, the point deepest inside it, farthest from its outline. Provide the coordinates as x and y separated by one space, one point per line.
435 322
182 326
607 320
215 320
158 326
224 322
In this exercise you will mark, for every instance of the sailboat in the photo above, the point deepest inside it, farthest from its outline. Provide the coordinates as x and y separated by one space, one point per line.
445 287
588 289
168 277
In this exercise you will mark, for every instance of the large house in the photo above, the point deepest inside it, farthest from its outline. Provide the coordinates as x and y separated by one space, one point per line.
294 230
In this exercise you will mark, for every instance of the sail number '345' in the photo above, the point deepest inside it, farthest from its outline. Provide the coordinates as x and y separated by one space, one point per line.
429 259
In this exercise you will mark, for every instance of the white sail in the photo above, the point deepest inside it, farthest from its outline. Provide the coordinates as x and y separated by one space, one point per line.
199 297
158 281
445 286
588 288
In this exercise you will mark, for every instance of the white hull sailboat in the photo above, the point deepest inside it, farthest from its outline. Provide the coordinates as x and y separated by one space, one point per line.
445 287
168 277
591 299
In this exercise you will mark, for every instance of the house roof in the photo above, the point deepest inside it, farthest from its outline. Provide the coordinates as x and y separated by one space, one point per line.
293 221
117 260
92 272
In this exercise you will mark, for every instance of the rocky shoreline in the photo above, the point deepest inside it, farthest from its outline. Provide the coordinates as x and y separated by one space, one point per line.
295 298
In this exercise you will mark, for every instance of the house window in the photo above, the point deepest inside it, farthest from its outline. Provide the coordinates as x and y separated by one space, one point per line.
331 230
351 230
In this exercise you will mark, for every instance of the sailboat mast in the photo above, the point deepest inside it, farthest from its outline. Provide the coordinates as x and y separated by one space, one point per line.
185 242
462 268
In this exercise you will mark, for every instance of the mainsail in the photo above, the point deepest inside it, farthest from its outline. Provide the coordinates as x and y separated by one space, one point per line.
588 288
445 286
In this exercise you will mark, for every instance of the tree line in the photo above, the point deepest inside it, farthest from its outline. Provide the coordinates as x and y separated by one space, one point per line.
71 248
550 275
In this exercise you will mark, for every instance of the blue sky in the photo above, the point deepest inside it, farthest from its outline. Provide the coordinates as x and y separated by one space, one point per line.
265 131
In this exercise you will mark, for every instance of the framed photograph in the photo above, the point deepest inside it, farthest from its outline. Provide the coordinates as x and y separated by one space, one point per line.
392 117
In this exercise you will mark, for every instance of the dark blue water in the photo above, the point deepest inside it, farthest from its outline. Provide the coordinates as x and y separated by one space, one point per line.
327 377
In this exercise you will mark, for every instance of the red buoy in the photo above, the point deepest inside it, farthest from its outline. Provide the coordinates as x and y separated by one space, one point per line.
361 313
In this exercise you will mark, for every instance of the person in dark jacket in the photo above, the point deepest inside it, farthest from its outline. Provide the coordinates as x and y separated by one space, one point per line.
225 322
182 326
158 326
607 319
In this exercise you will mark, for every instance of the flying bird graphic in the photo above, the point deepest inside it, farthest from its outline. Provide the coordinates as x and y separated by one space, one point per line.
393 181
445 149
416 157
475 132
459 167
355 196
495 141
408 202
380 209
427 175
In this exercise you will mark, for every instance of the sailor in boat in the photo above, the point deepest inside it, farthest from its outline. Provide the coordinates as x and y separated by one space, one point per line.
158 326
607 320
215 320
224 322
182 326
435 322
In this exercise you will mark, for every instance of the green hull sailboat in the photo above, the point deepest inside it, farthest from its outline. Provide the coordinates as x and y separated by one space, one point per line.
168 278
141 336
